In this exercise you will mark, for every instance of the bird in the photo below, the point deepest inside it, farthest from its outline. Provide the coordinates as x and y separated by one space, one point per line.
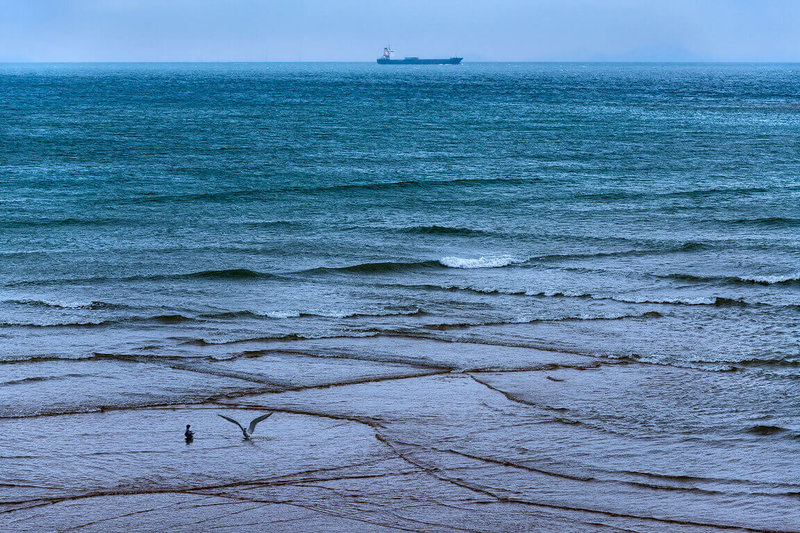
189 434
248 431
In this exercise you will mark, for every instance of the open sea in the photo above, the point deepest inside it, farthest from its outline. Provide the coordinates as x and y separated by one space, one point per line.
178 235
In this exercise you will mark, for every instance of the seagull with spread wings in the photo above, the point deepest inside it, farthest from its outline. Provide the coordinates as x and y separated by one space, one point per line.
247 431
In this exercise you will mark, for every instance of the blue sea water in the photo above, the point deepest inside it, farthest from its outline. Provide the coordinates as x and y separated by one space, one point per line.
641 213
144 206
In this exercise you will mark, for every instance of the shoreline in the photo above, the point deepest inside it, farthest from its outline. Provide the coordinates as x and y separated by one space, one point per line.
412 448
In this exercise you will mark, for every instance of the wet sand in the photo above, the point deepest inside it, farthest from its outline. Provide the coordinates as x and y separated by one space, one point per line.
389 433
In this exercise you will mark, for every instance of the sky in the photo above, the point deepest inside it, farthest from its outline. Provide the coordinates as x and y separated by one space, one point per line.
357 30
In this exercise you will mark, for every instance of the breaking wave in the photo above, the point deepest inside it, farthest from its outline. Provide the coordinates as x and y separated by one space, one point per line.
94 305
738 280
170 319
480 262
283 314
716 301
579 318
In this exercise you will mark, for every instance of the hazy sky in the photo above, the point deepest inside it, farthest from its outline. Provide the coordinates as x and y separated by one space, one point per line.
357 30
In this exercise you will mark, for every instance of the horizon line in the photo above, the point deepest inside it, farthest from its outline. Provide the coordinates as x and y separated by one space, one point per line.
372 61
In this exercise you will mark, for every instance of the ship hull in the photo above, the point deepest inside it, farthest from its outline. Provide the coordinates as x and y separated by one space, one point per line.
418 61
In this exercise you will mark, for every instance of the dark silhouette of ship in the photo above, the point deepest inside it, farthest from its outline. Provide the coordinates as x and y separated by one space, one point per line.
386 59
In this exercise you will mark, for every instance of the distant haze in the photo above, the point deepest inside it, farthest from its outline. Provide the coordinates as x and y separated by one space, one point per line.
356 30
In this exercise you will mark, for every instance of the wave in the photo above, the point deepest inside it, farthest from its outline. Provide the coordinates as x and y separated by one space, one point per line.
382 267
233 273
224 196
406 184
767 362
275 338
692 193
162 319
100 323
465 325
683 247
44 222
769 222
378 267
719 301
792 279
443 230
457 288
226 274
170 319
275 223
716 301
94 305
480 262
764 431
772 280
647 314
413 183
415 312
250 314
35 379
497 261
283 314
217 196
507 260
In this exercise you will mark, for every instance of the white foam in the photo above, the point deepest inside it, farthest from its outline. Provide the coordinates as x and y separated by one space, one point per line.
700 300
772 279
283 314
480 262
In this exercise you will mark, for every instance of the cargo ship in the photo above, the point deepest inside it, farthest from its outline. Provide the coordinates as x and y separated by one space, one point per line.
387 59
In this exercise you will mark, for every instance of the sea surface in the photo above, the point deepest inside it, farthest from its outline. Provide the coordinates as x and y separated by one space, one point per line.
173 234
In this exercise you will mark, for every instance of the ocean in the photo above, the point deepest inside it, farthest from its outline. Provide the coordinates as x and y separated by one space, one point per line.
548 295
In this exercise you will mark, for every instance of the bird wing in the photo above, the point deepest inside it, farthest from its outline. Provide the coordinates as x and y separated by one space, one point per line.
229 419
256 421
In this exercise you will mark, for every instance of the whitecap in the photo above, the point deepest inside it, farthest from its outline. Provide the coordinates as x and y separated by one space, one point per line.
771 280
283 314
480 262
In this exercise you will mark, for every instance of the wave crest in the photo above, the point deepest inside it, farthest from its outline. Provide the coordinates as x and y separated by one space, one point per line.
792 279
377 267
480 262
94 305
443 230
233 273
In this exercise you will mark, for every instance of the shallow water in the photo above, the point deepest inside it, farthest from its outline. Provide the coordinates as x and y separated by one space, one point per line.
589 271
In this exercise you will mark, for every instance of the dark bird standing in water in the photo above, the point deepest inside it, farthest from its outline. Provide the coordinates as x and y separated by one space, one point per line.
247 432
189 434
